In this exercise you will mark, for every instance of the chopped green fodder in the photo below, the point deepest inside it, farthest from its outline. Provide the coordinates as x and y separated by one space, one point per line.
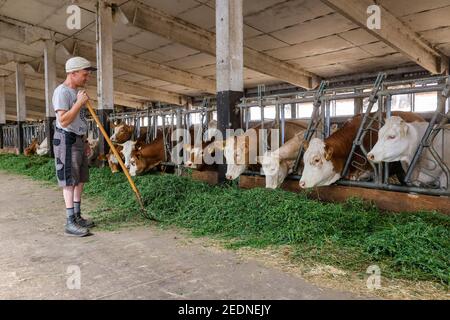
351 236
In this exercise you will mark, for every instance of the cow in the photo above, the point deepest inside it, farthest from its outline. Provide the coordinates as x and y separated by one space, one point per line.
126 151
93 151
113 163
195 156
122 133
42 149
238 150
324 160
399 140
147 156
31 149
276 165
194 150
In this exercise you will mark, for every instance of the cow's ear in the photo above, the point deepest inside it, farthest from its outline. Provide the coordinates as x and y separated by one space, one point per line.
328 152
290 165
220 144
403 128
305 145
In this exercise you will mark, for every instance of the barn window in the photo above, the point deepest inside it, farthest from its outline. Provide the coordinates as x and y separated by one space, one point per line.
287 111
304 110
196 118
269 112
401 102
366 104
343 107
255 113
425 101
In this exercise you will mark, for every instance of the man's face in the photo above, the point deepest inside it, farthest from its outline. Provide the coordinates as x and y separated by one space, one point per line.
81 77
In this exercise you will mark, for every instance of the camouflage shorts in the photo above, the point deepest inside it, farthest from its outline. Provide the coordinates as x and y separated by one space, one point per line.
70 159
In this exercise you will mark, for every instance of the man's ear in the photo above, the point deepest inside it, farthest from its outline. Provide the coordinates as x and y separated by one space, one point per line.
328 152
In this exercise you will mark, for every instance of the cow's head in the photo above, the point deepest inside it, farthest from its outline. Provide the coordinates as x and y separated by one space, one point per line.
392 144
122 133
318 167
139 164
93 148
193 154
275 170
135 165
112 160
31 149
127 149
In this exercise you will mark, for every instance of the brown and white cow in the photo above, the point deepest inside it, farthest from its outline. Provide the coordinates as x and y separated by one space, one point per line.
147 156
196 149
324 160
113 163
93 152
31 149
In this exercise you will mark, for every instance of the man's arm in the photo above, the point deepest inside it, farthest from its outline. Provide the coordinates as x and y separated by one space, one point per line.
66 117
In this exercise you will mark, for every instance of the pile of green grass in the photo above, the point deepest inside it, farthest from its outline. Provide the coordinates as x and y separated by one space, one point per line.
351 236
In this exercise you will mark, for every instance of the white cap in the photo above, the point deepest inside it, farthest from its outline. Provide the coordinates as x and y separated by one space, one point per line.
78 63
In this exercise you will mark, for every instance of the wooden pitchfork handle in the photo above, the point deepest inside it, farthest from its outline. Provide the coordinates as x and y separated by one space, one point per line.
116 154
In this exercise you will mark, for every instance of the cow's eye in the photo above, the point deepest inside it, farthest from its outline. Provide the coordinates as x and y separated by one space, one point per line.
391 137
317 160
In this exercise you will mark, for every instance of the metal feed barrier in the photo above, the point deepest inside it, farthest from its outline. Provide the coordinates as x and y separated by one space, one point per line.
165 119
381 92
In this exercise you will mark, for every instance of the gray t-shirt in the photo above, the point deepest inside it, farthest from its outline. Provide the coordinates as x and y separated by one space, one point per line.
63 99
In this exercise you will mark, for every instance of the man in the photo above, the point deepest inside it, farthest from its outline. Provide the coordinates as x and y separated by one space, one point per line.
70 142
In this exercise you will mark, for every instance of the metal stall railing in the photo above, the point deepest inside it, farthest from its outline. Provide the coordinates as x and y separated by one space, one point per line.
10 133
382 92
33 131
164 120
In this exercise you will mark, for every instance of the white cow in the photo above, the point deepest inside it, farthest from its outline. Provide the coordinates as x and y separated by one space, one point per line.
398 141
42 149
276 165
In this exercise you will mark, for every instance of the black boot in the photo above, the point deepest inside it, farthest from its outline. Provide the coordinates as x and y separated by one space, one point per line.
85 223
74 229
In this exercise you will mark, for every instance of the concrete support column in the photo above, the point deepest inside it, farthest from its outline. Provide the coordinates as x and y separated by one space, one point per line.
229 66
105 89
50 86
21 104
2 109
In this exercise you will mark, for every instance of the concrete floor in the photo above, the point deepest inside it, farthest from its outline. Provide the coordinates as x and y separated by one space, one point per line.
142 263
